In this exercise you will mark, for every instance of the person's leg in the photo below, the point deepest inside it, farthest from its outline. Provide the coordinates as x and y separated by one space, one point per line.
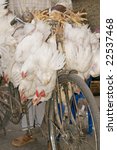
39 114
27 121
26 126
36 115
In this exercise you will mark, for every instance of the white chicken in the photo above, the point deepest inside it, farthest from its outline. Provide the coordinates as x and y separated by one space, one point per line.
95 67
42 66
5 18
7 42
29 68
27 89
6 53
81 29
3 5
32 63
32 41
94 40
44 92
44 28
21 31
15 76
26 46
47 76
80 46
47 71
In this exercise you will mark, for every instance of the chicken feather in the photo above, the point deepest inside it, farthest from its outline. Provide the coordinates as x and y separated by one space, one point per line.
25 47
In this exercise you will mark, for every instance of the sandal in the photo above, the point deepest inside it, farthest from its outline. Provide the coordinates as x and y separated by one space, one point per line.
22 140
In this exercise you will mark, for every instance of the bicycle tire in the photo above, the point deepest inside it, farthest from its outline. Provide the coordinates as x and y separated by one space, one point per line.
9 101
4 108
91 102
4 115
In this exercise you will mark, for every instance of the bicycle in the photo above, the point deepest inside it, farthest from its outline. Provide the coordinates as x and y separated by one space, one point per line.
73 116
75 123
11 108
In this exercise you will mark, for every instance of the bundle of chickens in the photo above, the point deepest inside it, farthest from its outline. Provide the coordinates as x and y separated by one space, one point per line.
31 52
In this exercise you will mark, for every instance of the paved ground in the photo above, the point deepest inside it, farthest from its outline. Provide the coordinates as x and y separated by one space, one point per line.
14 131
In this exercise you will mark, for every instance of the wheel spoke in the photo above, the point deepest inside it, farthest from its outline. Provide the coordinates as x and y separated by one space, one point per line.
72 122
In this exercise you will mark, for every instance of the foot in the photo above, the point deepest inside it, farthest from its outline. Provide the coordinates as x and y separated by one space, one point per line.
22 140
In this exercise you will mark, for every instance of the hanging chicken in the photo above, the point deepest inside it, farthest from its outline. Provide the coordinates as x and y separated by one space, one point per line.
7 42
40 70
53 39
81 49
5 18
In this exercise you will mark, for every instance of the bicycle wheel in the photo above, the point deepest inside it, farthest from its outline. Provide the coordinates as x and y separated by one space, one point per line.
10 106
74 116
4 116
15 104
4 112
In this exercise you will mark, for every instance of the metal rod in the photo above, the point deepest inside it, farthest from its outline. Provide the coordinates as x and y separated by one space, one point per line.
50 123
